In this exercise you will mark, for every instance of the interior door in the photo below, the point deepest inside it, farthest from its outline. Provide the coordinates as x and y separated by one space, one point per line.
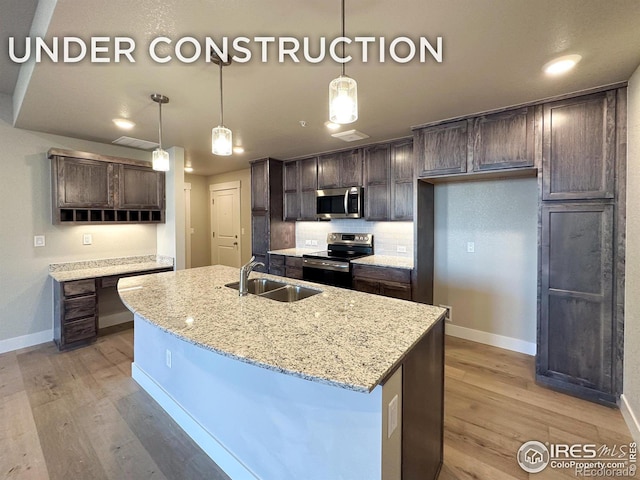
225 225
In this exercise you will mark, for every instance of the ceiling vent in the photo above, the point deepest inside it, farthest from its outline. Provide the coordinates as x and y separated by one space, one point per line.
135 143
350 135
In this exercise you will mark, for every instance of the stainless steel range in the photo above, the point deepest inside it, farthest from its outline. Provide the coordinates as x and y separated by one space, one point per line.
333 266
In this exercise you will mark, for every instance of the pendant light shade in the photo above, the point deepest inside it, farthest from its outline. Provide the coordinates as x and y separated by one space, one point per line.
221 141
343 94
221 136
160 158
343 100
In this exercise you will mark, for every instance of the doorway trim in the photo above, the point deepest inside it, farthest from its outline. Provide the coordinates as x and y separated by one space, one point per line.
187 224
234 185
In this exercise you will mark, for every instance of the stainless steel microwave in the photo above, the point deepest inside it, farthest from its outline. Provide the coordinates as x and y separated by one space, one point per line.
340 203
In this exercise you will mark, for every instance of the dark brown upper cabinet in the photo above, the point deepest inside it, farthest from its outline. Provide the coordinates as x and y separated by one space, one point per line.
504 140
377 166
83 183
91 189
341 169
259 186
300 184
442 149
402 180
578 151
140 188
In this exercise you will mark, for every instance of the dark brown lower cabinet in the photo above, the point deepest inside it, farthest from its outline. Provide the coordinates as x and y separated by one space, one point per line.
75 313
576 347
285 266
276 264
387 281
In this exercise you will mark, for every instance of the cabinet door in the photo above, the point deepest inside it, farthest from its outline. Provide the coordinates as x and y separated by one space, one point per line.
259 185
308 205
259 234
576 310
503 140
291 197
351 165
329 171
402 181
377 161
290 177
291 206
578 150
84 183
308 169
442 149
140 187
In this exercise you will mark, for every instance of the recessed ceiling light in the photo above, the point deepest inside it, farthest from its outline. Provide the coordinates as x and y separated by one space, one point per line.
238 150
561 65
331 125
188 169
124 123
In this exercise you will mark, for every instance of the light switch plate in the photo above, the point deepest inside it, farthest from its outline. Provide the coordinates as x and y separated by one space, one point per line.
471 247
38 241
87 239
402 249
307 242
314 243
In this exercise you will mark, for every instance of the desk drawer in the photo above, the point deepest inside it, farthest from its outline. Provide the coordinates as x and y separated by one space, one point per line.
80 330
79 307
79 287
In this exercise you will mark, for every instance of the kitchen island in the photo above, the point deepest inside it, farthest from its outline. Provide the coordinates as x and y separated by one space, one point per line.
340 385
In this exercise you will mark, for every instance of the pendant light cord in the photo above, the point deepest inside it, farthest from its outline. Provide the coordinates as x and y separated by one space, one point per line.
343 38
160 125
221 106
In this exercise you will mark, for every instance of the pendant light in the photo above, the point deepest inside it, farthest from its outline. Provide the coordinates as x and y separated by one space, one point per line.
160 156
221 137
343 94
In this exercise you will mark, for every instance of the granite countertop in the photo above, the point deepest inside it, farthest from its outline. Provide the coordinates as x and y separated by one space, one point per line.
294 252
339 337
66 272
386 261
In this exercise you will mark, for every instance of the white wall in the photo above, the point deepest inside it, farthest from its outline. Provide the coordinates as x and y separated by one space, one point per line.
494 289
200 244
25 211
632 275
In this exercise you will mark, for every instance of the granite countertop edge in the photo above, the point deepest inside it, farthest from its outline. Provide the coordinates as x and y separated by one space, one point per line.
70 271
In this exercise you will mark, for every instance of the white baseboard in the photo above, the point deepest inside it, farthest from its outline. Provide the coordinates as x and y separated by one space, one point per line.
630 418
508 343
16 343
214 449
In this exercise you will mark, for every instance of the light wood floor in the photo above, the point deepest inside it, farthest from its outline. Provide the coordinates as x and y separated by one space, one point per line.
79 415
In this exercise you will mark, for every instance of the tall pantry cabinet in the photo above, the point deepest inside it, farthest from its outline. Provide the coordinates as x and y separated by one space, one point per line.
268 230
581 278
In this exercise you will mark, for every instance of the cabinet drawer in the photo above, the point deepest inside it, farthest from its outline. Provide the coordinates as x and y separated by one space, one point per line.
276 260
295 262
79 307
401 275
364 285
293 272
79 287
396 290
80 330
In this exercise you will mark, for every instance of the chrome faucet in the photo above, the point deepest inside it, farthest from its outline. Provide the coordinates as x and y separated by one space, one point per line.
245 270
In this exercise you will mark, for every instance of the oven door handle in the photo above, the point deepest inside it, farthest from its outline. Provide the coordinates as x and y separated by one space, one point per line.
326 264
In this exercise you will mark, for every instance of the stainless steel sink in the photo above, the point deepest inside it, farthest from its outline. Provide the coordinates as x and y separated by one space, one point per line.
290 293
258 286
274 290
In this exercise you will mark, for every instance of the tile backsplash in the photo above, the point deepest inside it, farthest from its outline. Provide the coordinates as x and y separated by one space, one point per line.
387 236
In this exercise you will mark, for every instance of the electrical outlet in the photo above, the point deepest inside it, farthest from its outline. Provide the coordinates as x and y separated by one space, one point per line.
448 317
38 241
401 249
87 239
314 243
471 247
307 243
392 421
168 358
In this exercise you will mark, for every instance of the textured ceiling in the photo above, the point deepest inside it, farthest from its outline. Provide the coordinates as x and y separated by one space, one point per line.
493 54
